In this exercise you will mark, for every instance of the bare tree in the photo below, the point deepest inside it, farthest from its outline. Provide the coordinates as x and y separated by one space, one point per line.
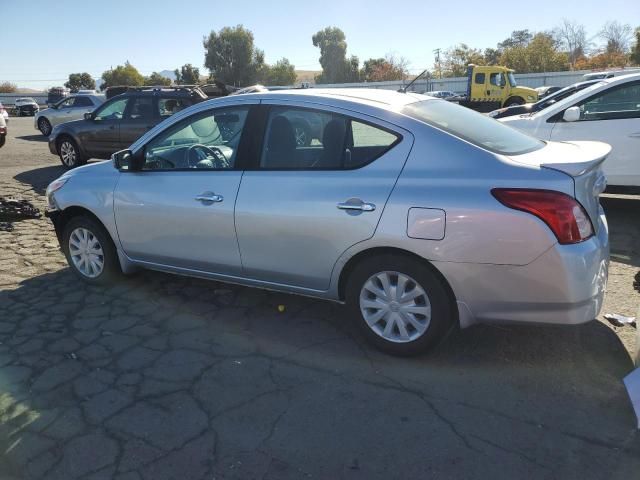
617 36
572 37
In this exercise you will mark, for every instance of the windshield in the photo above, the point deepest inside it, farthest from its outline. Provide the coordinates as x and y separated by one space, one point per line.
512 79
472 127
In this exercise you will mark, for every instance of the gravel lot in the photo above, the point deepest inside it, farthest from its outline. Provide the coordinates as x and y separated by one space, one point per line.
162 377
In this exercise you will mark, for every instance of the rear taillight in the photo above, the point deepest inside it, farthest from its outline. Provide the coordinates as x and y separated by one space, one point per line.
562 213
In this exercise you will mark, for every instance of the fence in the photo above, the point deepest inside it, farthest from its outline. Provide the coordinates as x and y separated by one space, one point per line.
9 99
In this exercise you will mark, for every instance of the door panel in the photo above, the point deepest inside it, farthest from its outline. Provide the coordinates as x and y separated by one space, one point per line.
141 116
293 226
160 221
103 138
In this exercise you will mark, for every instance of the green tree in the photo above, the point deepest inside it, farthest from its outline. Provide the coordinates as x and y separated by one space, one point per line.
384 69
539 55
456 59
8 87
634 56
491 56
518 38
232 57
125 74
156 79
187 75
282 73
336 68
78 81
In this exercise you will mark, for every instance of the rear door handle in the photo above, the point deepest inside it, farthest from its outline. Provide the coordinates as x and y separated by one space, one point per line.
357 205
209 197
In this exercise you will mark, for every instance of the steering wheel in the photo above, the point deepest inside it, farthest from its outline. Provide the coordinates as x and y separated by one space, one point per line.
211 156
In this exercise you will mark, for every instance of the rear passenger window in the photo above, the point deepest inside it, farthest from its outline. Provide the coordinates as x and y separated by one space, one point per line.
83 102
304 139
169 106
141 109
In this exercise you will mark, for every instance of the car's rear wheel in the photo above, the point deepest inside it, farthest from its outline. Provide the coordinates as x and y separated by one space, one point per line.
89 250
70 155
400 305
44 126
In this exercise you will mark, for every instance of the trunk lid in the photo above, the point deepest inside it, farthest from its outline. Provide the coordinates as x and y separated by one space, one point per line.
582 161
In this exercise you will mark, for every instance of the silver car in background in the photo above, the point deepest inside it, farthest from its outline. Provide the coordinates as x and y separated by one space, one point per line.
419 214
69 108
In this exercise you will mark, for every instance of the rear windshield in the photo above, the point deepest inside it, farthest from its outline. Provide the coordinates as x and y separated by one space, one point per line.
473 127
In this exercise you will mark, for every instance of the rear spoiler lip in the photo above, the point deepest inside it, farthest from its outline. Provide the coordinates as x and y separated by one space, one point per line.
576 169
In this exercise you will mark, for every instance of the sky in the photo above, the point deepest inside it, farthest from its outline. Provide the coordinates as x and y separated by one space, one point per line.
43 40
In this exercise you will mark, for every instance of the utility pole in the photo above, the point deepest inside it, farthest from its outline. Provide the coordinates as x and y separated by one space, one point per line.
438 68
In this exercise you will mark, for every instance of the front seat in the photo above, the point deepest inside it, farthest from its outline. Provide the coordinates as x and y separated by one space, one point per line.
333 144
281 144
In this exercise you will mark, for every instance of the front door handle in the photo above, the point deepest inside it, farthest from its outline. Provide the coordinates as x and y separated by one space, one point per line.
209 197
358 205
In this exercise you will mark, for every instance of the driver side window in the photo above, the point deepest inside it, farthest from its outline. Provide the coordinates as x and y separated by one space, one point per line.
207 140
112 111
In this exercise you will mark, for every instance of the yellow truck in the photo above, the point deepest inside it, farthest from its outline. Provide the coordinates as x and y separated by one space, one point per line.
492 87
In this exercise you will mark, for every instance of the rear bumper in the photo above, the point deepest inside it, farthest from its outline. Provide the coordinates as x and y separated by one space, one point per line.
565 285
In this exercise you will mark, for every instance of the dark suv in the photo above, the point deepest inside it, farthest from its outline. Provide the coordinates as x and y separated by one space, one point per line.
119 122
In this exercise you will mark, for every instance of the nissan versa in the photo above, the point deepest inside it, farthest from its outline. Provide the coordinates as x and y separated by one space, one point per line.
419 214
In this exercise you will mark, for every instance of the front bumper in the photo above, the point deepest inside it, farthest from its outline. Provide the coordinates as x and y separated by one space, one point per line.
52 145
565 285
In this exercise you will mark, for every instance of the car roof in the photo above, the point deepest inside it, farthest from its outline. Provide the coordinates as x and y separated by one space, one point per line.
388 99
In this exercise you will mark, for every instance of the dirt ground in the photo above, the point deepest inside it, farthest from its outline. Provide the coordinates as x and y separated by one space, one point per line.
163 377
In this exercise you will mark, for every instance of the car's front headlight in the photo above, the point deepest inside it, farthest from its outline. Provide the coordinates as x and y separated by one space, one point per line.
530 98
53 188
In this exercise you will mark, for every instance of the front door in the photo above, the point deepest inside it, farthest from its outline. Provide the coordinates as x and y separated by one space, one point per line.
140 116
613 117
305 204
103 138
177 210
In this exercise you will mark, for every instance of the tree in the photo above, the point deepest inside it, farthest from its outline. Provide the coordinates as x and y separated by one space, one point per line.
232 57
602 61
156 79
518 38
384 69
187 75
78 81
8 87
539 55
491 56
572 37
457 58
336 68
617 37
282 73
634 56
125 74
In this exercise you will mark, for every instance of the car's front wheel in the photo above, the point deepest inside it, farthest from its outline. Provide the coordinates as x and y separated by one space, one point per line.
89 250
44 126
70 155
401 306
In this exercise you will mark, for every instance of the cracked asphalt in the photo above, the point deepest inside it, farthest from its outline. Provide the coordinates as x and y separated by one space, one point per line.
164 377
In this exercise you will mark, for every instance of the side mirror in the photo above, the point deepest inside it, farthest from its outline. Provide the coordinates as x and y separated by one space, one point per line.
571 114
88 116
121 160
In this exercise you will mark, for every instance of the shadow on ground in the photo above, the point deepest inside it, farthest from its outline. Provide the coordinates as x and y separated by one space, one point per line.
169 377
33 138
40 178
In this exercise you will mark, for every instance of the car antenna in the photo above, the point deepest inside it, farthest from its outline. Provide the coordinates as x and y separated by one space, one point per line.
404 89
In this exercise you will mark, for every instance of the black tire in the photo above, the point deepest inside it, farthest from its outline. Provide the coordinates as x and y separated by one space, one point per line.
44 126
514 101
69 153
442 307
111 267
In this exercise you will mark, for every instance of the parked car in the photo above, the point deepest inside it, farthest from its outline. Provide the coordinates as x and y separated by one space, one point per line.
609 74
546 90
419 214
118 123
55 94
529 108
68 109
3 113
25 106
3 131
440 93
608 111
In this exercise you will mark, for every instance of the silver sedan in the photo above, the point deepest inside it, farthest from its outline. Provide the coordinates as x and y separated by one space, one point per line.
419 214
68 109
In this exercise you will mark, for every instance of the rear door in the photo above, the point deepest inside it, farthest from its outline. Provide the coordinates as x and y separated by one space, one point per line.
611 116
81 105
303 204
